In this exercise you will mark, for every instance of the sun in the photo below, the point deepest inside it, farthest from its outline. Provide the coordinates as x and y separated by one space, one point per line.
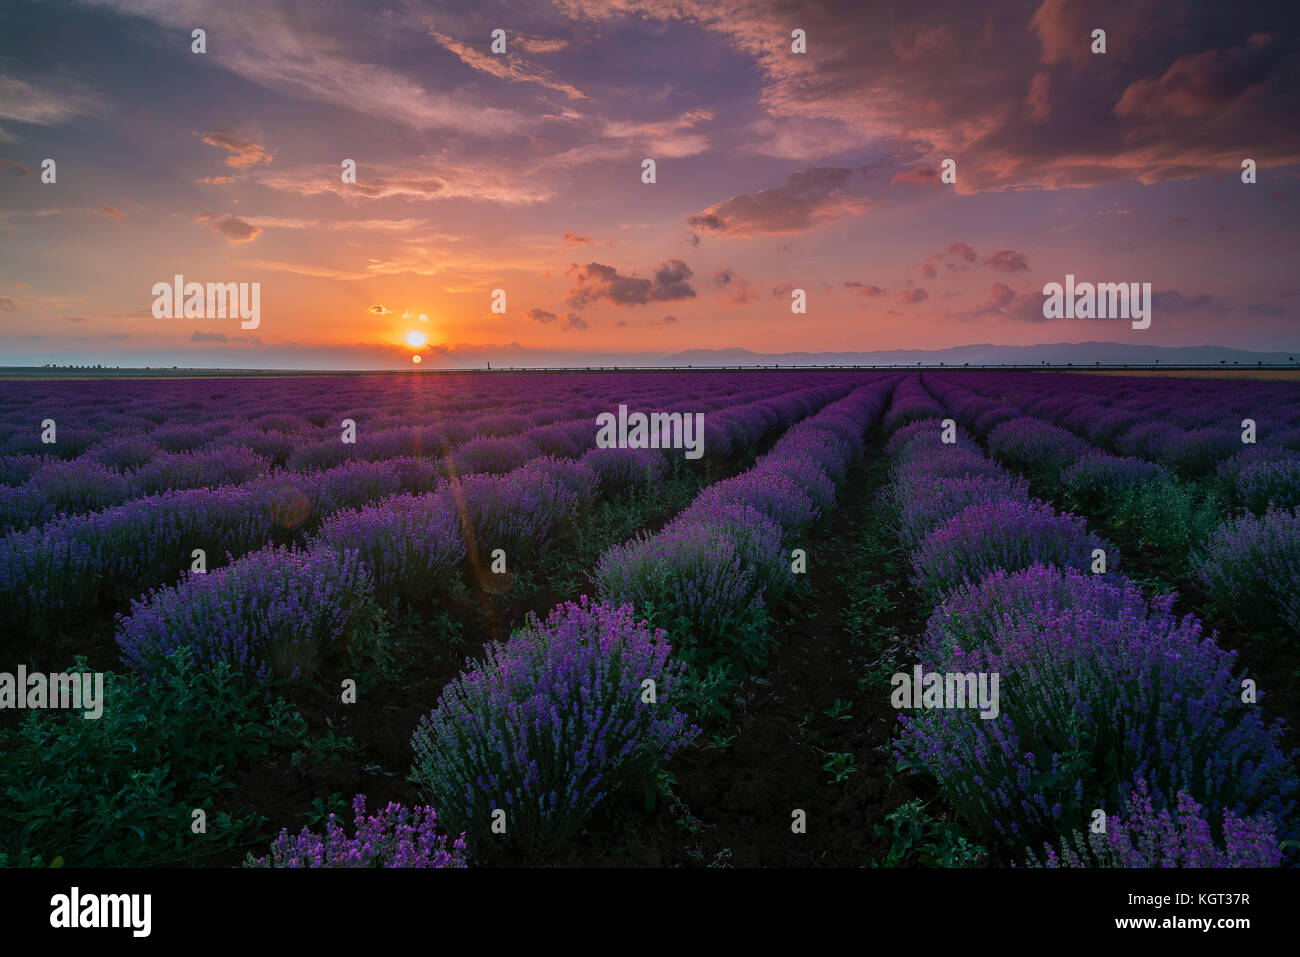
415 339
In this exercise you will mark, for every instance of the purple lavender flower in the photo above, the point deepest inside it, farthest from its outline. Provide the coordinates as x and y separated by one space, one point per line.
1139 835
395 837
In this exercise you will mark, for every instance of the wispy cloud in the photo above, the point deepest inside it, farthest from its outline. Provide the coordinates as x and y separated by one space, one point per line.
675 138
810 199
44 105
377 225
317 272
233 228
442 180
960 256
507 66
271 44
244 153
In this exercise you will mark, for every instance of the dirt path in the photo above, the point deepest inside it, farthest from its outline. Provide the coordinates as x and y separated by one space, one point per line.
825 693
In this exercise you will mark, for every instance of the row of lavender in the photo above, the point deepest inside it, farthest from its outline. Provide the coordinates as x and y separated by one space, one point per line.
708 575
125 426
295 610
208 447
1248 564
68 567
549 723
1108 702
1104 408
186 415
286 612
1247 435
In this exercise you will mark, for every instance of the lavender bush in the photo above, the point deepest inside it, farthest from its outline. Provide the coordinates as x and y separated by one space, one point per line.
17 469
765 490
493 454
1003 533
549 724
925 431
1197 452
704 579
277 613
69 566
413 545
1098 686
812 466
1095 480
1149 439
125 453
912 403
522 510
624 470
934 503
1266 484
1250 568
1034 446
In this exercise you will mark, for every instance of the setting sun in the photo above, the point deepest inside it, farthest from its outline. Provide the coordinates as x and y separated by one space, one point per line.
415 339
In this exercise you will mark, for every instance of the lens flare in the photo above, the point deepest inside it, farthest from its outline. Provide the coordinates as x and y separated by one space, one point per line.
417 359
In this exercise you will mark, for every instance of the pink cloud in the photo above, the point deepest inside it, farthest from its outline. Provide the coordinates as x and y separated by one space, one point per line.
864 288
245 153
233 228
810 199
1007 260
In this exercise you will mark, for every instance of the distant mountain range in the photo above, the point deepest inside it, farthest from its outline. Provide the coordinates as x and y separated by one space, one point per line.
515 356
1061 353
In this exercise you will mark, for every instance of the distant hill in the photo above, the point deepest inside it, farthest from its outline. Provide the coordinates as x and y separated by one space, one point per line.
1078 353
514 356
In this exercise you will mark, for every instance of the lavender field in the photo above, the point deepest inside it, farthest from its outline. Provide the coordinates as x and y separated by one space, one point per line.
860 618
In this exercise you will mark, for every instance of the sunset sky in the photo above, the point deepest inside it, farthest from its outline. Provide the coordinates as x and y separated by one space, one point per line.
522 171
